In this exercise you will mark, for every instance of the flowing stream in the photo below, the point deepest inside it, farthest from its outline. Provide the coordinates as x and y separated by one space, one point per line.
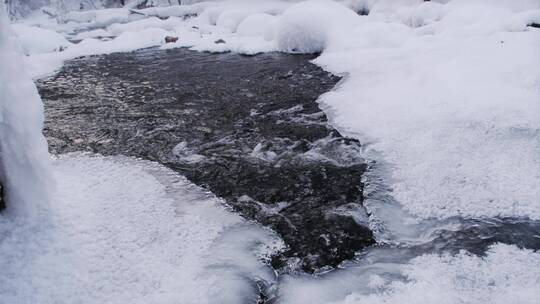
249 130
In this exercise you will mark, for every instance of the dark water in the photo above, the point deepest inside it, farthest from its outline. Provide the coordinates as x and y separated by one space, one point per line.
249 130
246 128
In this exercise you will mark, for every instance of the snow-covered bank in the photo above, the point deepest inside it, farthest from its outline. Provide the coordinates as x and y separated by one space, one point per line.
123 230
23 149
451 106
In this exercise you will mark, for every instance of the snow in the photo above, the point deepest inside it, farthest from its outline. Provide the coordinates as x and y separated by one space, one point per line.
444 95
122 230
23 149
36 40
98 18
505 275
92 34
311 26
136 26
452 107
261 25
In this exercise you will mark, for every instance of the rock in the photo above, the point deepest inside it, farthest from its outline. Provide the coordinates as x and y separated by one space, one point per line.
171 39
219 41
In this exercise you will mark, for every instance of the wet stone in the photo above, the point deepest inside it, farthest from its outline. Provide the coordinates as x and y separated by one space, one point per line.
247 128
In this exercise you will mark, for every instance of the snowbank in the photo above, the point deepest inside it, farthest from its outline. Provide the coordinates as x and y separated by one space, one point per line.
131 231
23 149
450 106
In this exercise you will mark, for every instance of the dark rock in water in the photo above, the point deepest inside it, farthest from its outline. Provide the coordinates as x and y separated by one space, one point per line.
171 39
2 201
537 25
219 41
245 127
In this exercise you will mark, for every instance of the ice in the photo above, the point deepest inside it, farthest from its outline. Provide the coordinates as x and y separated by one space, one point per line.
506 274
23 150
124 230
185 154
503 276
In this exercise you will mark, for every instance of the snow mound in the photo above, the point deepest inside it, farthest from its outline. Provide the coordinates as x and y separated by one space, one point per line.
35 40
312 26
128 231
261 25
230 19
